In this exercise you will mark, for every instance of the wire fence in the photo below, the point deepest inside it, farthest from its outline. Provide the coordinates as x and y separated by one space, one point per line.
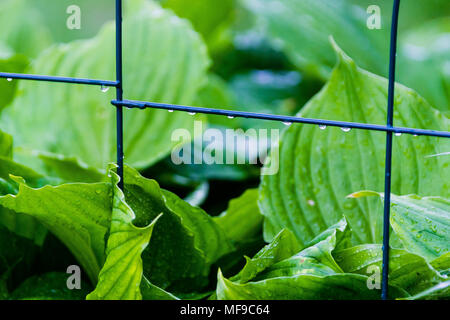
389 128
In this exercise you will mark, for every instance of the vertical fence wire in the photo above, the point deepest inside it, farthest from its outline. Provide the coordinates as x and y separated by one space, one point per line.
388 163
119 93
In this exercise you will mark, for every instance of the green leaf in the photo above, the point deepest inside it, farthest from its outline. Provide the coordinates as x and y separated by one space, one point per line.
211 21
121 275
78 214
283 246
242 220
406 270
6 145
442 264
424 52
85 128
310 274
302 287
439 291
302 28
15 64
319 168
21 224
49 286
22 28
185 241
421 223
70 169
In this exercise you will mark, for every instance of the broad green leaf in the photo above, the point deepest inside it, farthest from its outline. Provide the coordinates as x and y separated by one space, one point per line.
425 65
10 63
406 270
439 291
283 246
121 275
319 168
212 21
49 286
185 241
83 120
302 28
242 220
316 259
342 286
6 145
21 224
310 274
78 214
22 27
442 264
70 169
284 253
421 223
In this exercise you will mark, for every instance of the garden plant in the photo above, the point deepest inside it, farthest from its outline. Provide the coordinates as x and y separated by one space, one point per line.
223 207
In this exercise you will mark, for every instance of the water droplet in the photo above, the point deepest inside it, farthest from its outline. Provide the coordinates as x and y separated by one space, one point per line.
170 111
9 79
312 203
323 127
104 88
192 113
346 129
415 135
398 134
230 117
287 123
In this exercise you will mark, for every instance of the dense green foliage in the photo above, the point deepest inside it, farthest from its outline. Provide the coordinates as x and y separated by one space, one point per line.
311 230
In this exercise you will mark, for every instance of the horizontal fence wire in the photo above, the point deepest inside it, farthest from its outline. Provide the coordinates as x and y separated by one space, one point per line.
132 104
120 102
94 82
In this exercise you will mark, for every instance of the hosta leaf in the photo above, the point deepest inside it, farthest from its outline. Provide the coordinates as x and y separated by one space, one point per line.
421 223
424 51
70 169
302 28
310 274
21 224
6 145
442 264
121 275
49 286
283 246
213 26
439 291
406 270
242 220
343 286
22 27
185 241
10 63
83 122
78 214
319 168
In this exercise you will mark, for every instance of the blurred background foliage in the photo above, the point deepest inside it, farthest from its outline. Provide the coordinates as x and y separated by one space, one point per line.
266 56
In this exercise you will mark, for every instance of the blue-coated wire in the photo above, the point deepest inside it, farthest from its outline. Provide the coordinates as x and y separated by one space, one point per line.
388 163
119 93
286 119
